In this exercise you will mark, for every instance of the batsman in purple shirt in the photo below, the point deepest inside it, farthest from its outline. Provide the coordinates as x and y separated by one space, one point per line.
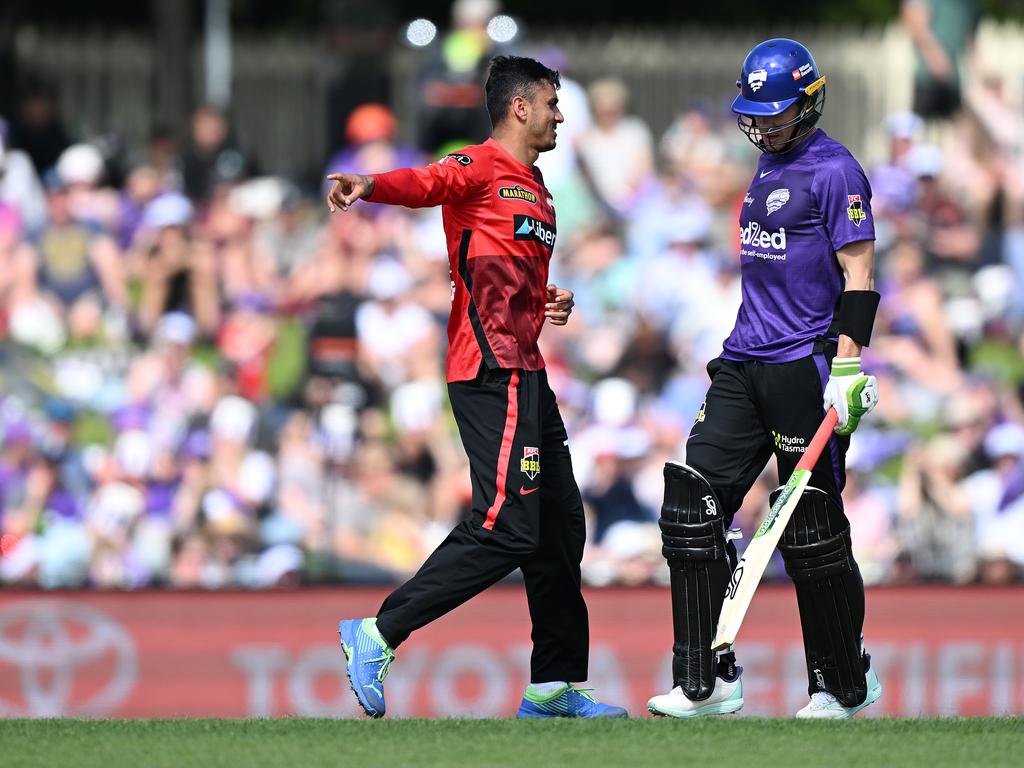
807 252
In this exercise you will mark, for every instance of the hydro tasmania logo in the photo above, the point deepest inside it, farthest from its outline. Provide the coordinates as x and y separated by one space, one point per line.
754 236
529 228
789 444
517 193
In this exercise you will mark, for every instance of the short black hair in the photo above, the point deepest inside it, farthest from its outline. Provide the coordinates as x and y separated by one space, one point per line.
511 76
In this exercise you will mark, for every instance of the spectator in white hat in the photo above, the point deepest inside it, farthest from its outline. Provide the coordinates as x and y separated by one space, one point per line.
997 500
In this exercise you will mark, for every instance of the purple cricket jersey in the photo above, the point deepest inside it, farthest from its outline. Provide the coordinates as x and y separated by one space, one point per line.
800 208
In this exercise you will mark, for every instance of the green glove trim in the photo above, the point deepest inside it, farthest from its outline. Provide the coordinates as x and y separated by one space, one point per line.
845 366
850 427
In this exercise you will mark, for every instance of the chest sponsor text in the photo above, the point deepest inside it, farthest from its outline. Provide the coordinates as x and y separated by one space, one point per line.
528 228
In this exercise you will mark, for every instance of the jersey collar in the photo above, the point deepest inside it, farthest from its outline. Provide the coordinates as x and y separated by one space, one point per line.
775 160
497 145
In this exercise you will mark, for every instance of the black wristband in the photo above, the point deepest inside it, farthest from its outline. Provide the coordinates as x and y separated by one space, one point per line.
857 315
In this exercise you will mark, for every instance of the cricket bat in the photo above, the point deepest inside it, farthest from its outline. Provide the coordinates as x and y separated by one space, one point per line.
748 572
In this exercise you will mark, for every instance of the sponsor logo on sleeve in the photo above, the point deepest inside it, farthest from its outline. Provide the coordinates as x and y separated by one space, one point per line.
517 193
856 209
756 79
528 228
776 200
460 159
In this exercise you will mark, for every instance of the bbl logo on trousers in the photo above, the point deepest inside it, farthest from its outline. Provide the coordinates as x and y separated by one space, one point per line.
529 465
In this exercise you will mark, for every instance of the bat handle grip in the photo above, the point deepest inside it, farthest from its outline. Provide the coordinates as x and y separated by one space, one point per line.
821 437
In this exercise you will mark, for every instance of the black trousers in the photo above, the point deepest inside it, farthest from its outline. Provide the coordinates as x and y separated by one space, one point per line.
753 410
527 513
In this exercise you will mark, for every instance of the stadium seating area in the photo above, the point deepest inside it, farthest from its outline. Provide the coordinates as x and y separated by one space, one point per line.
209 382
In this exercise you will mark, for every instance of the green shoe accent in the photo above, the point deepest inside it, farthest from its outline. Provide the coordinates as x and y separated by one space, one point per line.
369 626
538 697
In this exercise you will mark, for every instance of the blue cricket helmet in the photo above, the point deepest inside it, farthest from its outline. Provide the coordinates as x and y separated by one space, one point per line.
777 74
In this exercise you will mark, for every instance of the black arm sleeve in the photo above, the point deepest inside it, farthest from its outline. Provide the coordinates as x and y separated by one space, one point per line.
857 315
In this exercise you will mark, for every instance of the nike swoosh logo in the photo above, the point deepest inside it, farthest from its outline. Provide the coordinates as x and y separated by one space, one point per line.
527 491
765 173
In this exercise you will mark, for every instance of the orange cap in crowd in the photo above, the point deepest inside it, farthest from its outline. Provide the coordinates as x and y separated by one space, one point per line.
370 122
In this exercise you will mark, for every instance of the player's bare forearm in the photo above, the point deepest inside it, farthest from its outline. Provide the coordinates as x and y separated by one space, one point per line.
848 347
857 261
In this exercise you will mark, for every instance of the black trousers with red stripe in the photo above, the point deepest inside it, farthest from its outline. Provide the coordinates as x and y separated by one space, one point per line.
527 514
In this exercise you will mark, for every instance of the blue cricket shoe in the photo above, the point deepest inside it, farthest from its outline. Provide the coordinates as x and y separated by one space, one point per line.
568 701
368 659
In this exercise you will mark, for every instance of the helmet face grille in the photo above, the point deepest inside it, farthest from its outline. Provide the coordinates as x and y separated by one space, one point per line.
811 109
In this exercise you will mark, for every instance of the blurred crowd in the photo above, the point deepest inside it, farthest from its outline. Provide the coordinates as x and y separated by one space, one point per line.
206 381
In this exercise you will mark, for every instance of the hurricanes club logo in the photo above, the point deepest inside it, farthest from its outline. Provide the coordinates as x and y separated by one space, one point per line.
517 193
528 228
856 209
701 413
529 465
776 200
756 79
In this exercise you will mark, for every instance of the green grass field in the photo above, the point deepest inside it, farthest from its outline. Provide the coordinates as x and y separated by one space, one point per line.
639 743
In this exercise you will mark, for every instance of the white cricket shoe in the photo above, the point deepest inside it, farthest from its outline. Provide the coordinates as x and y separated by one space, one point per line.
725 699
824 705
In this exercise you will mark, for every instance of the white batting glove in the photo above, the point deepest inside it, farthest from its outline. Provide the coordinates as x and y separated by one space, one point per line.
852 393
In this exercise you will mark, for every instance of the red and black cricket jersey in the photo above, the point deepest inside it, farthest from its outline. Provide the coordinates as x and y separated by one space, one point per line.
500 225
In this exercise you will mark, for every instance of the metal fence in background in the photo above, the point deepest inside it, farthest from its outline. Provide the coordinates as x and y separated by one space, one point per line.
107 84
106 81
670 71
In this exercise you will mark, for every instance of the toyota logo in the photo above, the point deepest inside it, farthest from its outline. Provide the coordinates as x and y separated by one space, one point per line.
59 657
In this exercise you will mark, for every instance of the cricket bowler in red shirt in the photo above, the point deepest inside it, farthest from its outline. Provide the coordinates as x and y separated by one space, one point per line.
499 221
